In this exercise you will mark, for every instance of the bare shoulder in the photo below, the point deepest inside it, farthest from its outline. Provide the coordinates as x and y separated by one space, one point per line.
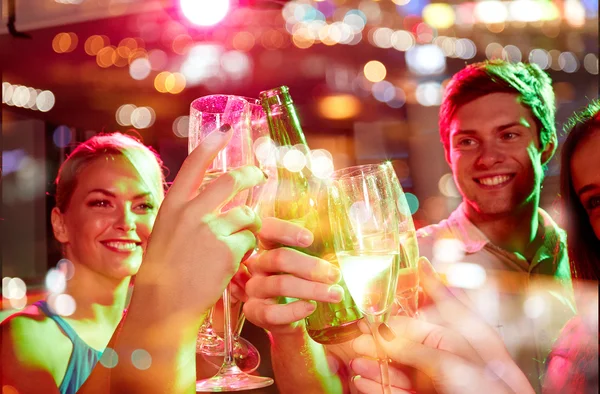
35 352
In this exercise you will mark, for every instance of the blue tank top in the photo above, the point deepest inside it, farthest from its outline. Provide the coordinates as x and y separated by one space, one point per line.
83 358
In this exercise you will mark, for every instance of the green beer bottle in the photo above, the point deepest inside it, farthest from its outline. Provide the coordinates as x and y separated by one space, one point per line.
302 198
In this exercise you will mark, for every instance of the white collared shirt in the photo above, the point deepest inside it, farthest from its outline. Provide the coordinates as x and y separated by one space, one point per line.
528 302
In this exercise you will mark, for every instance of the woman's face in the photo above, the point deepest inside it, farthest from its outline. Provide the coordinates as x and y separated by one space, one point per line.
585 172
109 218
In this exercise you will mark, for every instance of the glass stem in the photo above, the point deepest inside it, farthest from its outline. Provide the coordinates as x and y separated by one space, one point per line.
228 334
384 373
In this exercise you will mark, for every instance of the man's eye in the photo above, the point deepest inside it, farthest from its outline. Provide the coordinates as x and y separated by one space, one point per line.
466 142
509 136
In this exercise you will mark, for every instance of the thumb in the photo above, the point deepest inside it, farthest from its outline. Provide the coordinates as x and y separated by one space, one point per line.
191 174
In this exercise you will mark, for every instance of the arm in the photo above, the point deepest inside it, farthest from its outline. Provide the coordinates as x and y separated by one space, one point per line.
193 253
27 360
299 363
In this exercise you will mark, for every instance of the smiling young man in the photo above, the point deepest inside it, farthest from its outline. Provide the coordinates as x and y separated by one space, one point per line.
497 127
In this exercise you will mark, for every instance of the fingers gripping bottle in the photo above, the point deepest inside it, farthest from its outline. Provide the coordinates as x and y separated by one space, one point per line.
302 198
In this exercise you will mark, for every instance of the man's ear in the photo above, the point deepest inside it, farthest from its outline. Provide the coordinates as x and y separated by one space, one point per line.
549 150
58 226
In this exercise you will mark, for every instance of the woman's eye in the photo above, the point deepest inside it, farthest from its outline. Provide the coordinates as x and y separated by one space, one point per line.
99 203
593 202
145 206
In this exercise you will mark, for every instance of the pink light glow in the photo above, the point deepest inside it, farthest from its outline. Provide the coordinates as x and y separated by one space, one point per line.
204 12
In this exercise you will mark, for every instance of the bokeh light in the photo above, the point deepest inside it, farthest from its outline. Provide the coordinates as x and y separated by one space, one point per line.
511 53
567 61
143 117
95 43
294 160
540 57
413 202
62 136
426 60
402 40
429 94
123 114
465 275
181 126
109 358
66 267
56 281
341 106
383 91
590 63
448 250
375 71
447 186
204 12
141 359
105 57
140 68
65 42
439 15
321 163
63 304
158 59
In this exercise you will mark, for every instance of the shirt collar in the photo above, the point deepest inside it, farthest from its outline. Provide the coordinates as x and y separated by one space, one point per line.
474 240
465 231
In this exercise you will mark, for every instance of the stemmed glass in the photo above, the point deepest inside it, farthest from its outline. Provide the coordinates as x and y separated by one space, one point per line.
209 344
364 218
408 278
207 114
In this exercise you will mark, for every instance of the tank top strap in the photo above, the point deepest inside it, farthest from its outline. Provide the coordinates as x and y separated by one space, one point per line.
64 326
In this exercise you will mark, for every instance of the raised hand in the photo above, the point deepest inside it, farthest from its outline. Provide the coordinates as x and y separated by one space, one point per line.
195 250
453 355
278 271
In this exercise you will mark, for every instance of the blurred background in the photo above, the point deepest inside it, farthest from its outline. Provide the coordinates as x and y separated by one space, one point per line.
367 77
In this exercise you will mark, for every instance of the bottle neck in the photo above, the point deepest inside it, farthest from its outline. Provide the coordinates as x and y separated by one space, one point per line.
285 125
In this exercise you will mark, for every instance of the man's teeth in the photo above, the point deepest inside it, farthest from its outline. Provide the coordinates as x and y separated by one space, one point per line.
125 246
495 180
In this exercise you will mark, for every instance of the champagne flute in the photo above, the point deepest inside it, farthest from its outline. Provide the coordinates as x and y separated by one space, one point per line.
207 114
364 220
209 344
408 277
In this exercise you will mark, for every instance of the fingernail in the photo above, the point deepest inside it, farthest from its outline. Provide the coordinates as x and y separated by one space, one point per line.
356 378
334 274
225 128
305 238
311 306
386 332
336 293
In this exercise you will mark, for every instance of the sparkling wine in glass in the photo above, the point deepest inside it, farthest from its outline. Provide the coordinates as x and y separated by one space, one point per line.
364 221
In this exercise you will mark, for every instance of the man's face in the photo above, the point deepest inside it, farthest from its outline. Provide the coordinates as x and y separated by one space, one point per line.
495 154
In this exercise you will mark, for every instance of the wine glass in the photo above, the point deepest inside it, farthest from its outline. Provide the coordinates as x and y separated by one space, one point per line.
408 277
209 344
364 220
207 114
